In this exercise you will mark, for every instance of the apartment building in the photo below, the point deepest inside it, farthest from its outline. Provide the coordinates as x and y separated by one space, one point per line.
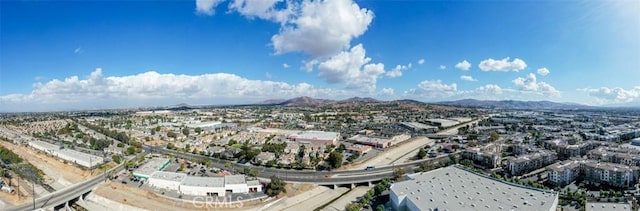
525 163
613 174
626 156
488 156
564 173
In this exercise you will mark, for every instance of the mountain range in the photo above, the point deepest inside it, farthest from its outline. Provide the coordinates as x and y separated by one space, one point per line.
505 104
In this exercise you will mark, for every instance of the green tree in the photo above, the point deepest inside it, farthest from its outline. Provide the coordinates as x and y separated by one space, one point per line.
158 128
120 144
116 158
494 136
198 130
453 158
171 134
380 207
185 131
398 173
353 207
131 150
276 186
335 159
421 153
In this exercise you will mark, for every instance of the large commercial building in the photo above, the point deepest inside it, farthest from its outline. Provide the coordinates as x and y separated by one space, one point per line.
417 127
315 137
166 180
203 186
453 188
72 156
371 141
152 165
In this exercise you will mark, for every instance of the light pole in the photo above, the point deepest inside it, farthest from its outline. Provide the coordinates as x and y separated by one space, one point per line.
33 186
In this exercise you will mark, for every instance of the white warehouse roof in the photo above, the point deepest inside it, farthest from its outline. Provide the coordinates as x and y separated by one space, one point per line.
453 188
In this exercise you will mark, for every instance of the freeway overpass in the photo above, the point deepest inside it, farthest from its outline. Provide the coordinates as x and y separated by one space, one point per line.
61 198
338 177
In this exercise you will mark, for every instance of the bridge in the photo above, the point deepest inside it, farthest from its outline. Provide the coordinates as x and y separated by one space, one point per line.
325 178
61 198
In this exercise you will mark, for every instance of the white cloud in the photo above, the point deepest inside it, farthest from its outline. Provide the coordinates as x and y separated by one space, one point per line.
503 65
463 65
207 7
615 95
264 9
433 89
285 65
320 28
397 71
421 61
77 50
543 71
442 67
153 88
351 68
467 78
387 92
531 84
489 89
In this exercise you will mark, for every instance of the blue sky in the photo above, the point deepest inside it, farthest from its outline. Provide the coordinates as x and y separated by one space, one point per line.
114 54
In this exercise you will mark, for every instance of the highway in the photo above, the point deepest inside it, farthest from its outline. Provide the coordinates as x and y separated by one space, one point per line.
311 176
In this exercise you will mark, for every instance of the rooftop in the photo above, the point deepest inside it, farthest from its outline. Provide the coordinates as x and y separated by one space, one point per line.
170 176
610 166
417 125
321 135
204 181
453 188
605 206
234 179
152 165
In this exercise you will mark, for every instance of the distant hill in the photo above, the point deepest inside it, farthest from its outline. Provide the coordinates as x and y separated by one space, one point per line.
181 107
272 101
514 104
359 100
304 101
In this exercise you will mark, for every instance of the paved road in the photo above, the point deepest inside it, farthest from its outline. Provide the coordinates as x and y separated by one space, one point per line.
307 176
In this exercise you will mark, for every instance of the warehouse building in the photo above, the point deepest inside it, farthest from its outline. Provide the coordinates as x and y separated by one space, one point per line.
203 186
453 188
315 137
166 180
69 155
152 165
417 127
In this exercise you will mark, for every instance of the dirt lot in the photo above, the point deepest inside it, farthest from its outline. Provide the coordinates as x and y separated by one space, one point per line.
13 198
53 168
